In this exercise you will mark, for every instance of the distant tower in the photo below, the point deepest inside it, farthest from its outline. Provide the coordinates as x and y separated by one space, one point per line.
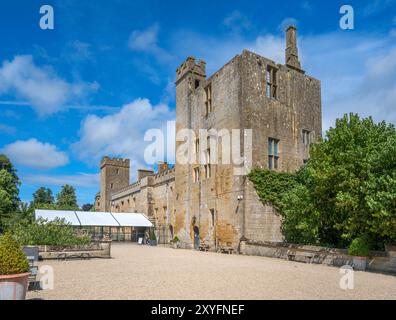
114 175
291 49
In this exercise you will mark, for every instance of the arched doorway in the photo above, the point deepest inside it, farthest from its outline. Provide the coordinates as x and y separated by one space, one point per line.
196 238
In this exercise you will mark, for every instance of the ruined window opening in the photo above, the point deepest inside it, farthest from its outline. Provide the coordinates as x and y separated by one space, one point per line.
212 214
306 137
118 171
111 186
271 87
273 155
197 146
207 170
196 83
196 174
208 99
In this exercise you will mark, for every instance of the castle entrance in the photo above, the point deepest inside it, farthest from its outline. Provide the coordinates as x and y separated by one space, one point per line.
196 238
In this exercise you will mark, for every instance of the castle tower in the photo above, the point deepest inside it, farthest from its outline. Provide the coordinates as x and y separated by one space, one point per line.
114 175
190 77
291 49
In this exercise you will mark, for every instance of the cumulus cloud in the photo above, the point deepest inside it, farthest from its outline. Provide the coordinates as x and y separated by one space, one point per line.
237 22
147 41
78 180
121 134
35 154
40 87
356 70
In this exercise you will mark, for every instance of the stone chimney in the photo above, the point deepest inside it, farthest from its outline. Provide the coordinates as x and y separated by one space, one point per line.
291 49
162 166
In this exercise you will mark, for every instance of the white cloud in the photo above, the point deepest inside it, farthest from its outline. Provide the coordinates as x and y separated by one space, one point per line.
78 180
237 22
286 23
35 154
121 134
41 87
347 64
7 129
147 41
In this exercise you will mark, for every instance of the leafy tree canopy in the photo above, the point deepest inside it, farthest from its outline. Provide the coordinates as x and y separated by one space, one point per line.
66 198
346 191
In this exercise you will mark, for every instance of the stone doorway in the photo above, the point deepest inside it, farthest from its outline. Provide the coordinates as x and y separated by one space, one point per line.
196 238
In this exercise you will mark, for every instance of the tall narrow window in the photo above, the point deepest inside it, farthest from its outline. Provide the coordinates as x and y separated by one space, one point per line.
196 174
212 214
271 87
207 169
208 99
306 137
273 153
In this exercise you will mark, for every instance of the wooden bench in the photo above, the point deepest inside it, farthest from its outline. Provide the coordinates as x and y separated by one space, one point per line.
228 250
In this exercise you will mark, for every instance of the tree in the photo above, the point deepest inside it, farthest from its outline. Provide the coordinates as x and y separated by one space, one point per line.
9 192
347 190
354 174
42 198
66 198
87 207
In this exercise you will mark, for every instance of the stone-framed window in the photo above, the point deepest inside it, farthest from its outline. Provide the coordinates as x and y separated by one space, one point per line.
207 168
271 85
213 216
306 137
196 173
208 99
273 153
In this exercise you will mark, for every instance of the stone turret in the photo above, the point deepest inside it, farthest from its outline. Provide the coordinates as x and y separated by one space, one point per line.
114 175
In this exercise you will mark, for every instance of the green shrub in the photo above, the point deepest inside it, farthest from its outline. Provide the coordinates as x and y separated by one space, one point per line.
152 235
359 247
52 233
12 258
176 239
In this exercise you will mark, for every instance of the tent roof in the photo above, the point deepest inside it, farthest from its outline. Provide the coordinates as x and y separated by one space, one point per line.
98 219
132 219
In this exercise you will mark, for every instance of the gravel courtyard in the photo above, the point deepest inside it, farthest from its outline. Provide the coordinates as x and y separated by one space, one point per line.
143 272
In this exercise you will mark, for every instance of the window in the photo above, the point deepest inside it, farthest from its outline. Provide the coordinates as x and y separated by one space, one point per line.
306 137
197 148
196 83
118 171
270 78
207 170
111 186
196 174
208 99
212 214
273 156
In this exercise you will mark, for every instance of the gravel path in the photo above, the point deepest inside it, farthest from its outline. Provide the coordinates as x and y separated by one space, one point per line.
143 272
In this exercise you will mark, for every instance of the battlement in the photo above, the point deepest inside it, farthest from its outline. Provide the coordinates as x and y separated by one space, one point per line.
190 65
117 162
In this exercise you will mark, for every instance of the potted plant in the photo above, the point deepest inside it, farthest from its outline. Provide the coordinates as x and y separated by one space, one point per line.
14 269
360 251
153 238
175 242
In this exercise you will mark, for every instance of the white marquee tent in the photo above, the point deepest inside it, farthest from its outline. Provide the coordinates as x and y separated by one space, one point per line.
118 226
96 219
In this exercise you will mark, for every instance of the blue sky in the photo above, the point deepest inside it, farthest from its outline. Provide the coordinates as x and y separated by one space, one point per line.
93 85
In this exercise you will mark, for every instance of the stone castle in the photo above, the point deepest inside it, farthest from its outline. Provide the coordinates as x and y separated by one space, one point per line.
208 203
